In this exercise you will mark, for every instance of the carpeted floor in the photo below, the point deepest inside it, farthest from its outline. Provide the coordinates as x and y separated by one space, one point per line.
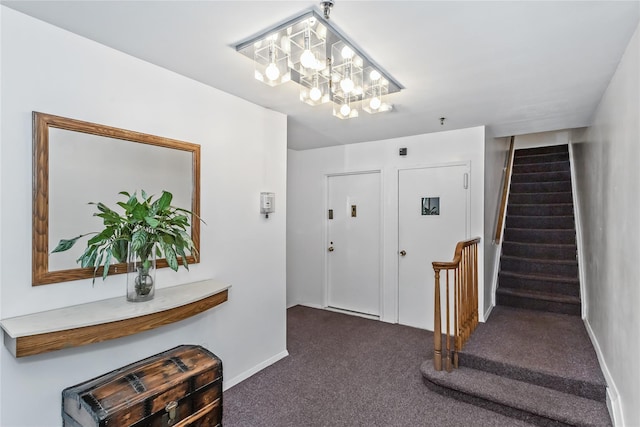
349 371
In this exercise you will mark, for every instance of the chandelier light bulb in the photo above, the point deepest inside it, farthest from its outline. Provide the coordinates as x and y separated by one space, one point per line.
345 110
374 75
315 94
347 52
347 85
375 103
272 71
308 59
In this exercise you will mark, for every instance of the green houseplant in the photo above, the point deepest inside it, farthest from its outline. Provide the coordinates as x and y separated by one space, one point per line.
147 228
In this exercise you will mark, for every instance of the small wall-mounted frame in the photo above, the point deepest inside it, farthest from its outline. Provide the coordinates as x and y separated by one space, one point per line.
267 203
431 206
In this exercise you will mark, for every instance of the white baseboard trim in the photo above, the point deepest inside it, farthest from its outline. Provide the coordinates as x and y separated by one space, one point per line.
318 306
227 384
488 312
613 400
349 312
353 313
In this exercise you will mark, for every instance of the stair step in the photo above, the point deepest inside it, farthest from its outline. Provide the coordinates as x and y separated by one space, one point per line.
541 301
540 250
541 198
541 222
546 284
541 176
558 209
530 235
545 267
525 159
519 399
548 149
540 187
593 390
541 167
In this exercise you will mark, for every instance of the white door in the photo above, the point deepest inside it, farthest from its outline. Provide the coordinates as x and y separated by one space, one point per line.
353 238
432 219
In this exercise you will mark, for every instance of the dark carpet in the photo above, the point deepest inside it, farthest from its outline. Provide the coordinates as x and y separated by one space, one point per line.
538 264
348 371
533 359
536 366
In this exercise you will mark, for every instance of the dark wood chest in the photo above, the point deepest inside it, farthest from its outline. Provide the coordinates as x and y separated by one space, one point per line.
179 387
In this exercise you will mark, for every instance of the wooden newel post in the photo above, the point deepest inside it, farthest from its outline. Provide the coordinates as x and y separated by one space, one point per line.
437 328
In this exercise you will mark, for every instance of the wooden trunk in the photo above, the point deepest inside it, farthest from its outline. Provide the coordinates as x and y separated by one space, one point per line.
181 387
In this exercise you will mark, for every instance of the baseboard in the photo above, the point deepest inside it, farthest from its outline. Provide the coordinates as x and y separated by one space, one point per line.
318 306
352 313
227 384
613 399
488 313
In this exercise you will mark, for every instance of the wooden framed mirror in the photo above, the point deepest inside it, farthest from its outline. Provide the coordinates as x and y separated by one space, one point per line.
76 162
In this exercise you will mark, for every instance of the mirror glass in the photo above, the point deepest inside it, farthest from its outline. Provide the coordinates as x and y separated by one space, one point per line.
79 162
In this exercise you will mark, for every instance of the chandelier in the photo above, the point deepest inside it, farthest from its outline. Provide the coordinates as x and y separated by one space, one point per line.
311 52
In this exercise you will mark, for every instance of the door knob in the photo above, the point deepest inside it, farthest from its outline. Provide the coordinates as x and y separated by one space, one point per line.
403 252
330 248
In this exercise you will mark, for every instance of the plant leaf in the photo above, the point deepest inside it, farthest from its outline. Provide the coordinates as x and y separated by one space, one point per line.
152 221
120 250
104 235
138 239
107 263
164 201
140 211
170 256
66 244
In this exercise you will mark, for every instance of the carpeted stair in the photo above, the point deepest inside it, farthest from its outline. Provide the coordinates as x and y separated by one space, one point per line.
538 266
531 365
533 359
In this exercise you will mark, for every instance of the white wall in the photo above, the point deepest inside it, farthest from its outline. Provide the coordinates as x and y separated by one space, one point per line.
496 155
608 178
243 153
307 194
1 12
543 139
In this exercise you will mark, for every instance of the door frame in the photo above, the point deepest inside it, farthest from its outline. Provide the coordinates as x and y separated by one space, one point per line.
467 231
325 243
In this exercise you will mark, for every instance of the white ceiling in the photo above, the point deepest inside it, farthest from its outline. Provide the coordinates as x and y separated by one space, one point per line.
520 67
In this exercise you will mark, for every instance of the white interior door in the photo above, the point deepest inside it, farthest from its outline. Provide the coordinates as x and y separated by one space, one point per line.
432 218
353 237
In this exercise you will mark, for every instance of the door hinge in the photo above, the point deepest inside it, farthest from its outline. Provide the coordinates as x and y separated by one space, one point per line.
465 181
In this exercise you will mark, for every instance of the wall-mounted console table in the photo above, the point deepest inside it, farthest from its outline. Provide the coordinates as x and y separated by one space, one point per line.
108 319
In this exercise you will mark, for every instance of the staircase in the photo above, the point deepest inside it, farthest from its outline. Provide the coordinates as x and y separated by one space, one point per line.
538 266
533 359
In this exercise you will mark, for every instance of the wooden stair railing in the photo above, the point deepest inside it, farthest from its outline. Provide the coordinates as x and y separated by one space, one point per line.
463 272
505 192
